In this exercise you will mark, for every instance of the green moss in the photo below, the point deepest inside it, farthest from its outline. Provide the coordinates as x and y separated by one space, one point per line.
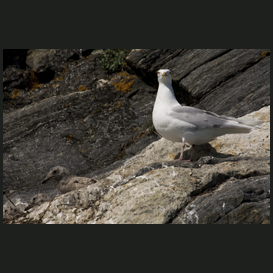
113 60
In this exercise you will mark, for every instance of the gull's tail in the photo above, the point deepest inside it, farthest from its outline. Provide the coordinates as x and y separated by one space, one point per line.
248 125
252 123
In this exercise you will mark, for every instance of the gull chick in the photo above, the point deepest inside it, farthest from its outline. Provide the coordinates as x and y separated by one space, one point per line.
179 123
66 181
37 200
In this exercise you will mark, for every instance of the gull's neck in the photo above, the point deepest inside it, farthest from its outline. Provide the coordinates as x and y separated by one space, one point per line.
166 94
66 178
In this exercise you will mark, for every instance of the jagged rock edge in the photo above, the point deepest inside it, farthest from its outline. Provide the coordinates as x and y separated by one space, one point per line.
231 76
194 165
210 188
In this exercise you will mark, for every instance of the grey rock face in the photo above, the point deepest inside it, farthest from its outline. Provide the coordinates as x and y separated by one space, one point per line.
244 201
82 130
238 78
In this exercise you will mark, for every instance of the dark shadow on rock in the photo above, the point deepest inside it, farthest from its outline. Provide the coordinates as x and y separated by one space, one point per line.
45 76
201 151
14 57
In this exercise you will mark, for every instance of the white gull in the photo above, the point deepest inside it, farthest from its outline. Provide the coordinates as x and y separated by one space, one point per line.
188 124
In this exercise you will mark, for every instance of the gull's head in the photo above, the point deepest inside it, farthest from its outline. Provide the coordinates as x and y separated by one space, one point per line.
56 173
164 76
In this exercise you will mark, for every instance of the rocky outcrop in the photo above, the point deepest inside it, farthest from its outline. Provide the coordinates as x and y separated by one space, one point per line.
152 188
238 78
83 129
99 126
243 201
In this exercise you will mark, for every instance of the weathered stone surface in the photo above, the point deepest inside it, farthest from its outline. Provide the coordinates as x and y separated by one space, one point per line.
234 82
41 60
99 126
256 143
14 78
237 93
147 61
38 58
189 60
10 210
58 75
211 74
244 201
83 131
156 197
83 120
152 188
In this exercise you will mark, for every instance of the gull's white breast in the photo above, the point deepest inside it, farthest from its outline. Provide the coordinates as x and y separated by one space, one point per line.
168 127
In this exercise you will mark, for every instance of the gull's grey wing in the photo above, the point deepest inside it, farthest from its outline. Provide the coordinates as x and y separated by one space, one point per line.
199 118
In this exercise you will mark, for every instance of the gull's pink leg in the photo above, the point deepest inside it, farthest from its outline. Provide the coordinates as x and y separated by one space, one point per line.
182 150
192 152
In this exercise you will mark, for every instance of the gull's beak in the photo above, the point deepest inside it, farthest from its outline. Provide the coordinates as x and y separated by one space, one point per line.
45 180
164 74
